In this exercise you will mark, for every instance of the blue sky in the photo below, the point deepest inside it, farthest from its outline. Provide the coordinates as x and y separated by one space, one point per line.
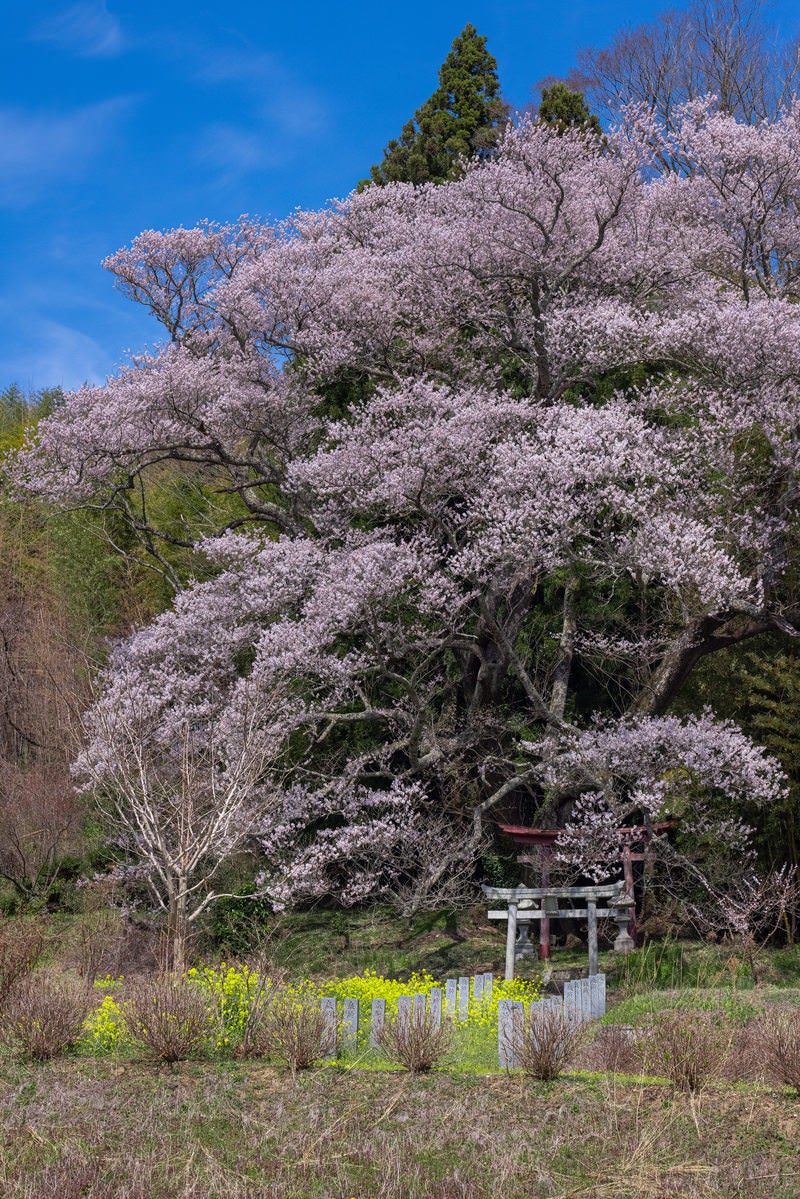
122 115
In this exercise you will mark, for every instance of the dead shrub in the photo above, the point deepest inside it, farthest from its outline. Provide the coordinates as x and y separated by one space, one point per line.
614 1049
549 1042
43 1017
21 945
101 941
780 1045
296 1032
688 1047
416 1042
169 1016
744 1061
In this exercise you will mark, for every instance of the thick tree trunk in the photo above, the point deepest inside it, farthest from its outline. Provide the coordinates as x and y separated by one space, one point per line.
178 928
704 636
558 696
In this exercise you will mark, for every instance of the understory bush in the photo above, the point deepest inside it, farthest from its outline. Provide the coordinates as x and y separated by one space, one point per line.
297 1032
169 1016
780 1045
549 1043
415 1041
687 1047
21 945
613 1048
43 1016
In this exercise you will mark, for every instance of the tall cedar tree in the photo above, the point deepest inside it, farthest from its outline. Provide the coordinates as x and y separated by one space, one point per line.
566 109
463 117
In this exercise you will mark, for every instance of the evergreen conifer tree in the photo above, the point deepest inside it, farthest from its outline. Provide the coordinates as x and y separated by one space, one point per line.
463 117
566 109
772 687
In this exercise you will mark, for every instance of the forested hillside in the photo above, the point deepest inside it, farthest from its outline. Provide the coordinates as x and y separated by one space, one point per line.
471 497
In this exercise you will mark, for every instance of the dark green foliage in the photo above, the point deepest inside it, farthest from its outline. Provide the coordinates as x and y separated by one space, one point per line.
238 925
344 391
462 118
773 690
759 688
501 869
565 109
774 697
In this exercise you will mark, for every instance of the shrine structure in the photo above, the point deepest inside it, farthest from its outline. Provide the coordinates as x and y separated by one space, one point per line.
525 905
633 845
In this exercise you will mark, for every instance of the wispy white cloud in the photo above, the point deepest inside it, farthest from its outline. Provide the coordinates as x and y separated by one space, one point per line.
61 357
284 113
40 149
87 29
231 153
291 105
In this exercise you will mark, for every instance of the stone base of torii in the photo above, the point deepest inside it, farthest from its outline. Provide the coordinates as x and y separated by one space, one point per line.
526 904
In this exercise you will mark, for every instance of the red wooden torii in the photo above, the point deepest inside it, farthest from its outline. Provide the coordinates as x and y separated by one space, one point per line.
631 836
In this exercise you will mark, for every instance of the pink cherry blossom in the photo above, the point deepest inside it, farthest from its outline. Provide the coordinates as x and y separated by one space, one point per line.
570 451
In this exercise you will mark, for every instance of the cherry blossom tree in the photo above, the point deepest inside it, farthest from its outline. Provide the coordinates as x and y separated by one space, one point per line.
180 784
505 460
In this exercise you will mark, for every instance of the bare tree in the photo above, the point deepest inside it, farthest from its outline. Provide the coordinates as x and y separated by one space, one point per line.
41 690
180 798
749 912
40 819
722 47
725 897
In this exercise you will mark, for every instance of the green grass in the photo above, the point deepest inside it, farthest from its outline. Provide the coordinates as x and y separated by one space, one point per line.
638 1008
126 1128
245 1131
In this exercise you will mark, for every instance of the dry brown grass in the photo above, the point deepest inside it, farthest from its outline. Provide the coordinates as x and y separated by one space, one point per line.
246 1131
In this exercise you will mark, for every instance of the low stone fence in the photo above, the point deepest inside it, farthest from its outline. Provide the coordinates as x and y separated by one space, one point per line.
583 999
453 1001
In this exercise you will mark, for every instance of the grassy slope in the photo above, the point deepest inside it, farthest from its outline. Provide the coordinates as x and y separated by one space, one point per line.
245 1131
126 1129
325 944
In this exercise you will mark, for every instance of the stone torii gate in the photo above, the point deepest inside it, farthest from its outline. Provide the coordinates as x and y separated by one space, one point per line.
634 841
525 904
